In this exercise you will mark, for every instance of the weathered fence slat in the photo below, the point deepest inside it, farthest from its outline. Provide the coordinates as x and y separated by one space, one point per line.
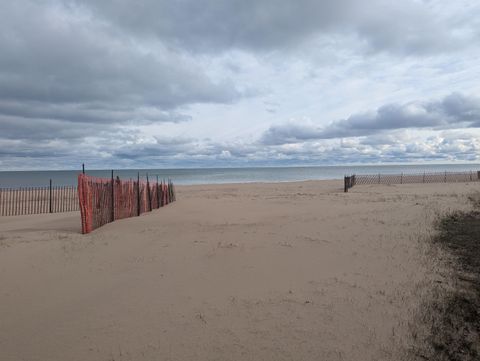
403 178
102 201
36 200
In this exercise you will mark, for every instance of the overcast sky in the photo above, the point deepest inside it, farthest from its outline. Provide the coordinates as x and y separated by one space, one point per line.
151 83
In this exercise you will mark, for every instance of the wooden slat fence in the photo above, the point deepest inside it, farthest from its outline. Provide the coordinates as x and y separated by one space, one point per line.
37 200
404 178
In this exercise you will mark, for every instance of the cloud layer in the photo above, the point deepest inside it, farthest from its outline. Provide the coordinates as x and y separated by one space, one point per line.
453 111
59 63
268 24
161 83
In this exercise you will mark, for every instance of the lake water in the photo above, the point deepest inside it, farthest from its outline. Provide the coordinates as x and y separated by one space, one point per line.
224 175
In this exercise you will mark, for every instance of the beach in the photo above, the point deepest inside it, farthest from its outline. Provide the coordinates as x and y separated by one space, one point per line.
259 271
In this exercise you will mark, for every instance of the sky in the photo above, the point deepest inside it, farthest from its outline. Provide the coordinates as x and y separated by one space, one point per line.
188 83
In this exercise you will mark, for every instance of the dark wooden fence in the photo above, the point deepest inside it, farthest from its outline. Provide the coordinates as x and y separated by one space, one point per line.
431 177
36 200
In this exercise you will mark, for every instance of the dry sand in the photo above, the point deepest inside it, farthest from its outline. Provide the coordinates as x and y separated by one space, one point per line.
287 271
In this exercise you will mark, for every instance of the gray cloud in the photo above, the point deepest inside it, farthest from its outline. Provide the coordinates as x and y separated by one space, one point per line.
59 62
69 80
409 27
127 152
160 149
217 25
15 128
455 110
287 145
290 133
77 78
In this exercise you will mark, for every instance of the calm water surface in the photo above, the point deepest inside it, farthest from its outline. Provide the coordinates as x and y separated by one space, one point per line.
225 175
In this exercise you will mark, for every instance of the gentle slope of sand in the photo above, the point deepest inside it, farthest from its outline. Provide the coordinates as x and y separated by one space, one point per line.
287 271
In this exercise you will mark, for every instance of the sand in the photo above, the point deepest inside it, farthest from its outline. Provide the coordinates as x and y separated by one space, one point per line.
286 271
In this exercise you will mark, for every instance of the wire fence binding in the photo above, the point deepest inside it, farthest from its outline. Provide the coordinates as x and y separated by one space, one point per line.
103 200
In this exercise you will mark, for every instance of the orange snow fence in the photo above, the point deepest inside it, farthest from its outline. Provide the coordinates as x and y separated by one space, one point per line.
104 200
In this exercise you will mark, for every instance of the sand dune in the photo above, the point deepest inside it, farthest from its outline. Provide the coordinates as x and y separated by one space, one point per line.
287 271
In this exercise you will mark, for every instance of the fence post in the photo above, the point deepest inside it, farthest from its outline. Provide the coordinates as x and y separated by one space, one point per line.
162 194
50 188
378 178
345 188
113 198
158 194
169 192
401 178
138 193
149 195
445 179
